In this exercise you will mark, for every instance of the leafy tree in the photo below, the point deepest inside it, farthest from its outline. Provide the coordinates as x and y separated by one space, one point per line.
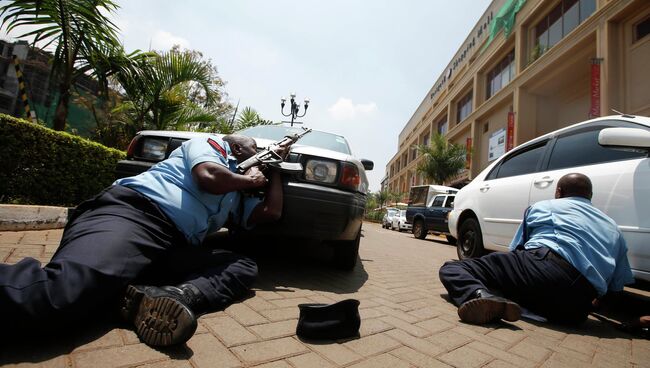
79 30
382 197
442 159
248 117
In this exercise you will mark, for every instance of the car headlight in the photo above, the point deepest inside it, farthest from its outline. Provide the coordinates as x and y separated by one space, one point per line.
320 171
154 148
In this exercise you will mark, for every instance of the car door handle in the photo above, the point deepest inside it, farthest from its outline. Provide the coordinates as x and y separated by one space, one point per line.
484 188
544 180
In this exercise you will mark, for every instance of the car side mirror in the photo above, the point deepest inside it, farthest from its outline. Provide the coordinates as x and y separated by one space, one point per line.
367 164
624 137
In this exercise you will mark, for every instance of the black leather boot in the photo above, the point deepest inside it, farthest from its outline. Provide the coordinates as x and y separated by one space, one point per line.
162 316
483 307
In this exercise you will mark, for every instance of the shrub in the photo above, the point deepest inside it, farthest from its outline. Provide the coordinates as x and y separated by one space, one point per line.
42 166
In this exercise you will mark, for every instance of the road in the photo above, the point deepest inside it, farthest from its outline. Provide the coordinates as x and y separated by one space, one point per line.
406 320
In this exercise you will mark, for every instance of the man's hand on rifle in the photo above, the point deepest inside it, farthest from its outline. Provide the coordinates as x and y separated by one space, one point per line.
282 149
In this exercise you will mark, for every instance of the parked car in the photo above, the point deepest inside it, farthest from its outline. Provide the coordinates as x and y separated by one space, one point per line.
399 222
325 202
612 151
428 208
388 217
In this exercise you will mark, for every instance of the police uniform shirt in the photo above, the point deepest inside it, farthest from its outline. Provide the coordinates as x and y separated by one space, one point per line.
170 184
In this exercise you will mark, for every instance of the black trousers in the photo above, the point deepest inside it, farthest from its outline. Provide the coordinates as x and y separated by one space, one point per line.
119 237
539 279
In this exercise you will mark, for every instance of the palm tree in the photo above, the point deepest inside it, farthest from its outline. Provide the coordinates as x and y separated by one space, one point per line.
442 159
78 29
248 117
157 89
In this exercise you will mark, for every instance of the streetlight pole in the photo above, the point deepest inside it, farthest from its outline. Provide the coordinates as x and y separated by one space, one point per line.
294 109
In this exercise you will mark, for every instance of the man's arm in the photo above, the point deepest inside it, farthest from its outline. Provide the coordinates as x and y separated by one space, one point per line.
217 179
271 208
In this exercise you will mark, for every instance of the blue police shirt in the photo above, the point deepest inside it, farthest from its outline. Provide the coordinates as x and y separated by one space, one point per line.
169 183
584 236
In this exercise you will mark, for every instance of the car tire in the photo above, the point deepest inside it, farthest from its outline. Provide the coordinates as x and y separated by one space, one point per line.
470 240
451 240
418 229
346 253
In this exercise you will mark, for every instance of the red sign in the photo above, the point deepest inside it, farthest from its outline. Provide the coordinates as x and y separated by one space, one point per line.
468 155
595 88
510 135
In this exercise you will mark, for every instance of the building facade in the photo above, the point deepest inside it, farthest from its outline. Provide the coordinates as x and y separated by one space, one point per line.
563 62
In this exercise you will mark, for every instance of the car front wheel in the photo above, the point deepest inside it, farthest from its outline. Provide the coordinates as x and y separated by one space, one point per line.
470 240
346 253
418 229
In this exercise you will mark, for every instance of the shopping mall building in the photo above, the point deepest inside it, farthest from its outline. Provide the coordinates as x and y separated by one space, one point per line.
562 62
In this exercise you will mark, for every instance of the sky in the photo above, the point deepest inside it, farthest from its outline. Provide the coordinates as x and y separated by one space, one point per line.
364 65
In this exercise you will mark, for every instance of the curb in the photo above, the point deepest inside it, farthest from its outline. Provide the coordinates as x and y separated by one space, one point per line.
22 217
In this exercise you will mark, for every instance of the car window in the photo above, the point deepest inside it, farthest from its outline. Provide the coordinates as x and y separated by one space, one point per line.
402 213
581 148
438 201
450 202
314 138
522 162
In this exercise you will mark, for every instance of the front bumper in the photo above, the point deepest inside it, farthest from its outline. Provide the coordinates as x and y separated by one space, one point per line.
405 226
453 222
316 212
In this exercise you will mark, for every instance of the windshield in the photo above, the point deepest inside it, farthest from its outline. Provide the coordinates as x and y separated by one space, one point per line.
314 138
392 212
402 213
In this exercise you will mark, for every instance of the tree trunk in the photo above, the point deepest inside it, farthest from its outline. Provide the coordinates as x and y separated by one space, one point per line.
61 113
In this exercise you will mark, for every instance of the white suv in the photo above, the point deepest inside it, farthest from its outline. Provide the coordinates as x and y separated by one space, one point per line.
612 151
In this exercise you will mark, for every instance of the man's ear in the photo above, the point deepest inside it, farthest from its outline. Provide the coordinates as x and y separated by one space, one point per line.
236 148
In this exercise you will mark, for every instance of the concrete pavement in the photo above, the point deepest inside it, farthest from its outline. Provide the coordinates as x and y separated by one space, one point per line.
406 321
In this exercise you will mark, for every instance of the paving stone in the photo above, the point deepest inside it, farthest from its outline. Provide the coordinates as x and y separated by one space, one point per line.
425 313
390 304
405 326
168 364
422 345
264 351
275 329
292 302
373 326
477 336
417 358
373 344
11 237
319 298
507 335
465 357
369 313
129 337
245 315
435 325
530 351
207 352
500 364
229 331
116 357
5 253
280 314
559 360
397 314
276 364
501 355
384 360
111 338
309 360
336 353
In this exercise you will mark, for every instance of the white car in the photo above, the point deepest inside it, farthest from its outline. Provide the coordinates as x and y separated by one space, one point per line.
388 217
612 151
399 222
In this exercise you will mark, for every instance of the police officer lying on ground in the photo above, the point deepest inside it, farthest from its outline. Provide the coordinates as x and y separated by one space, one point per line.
565 253
132 234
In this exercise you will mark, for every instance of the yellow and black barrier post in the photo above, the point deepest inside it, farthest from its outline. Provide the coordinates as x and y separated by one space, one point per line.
23 91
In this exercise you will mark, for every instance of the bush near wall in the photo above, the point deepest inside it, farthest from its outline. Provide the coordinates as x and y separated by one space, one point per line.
41 166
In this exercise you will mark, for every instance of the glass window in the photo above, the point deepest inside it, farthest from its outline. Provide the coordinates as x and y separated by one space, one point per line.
315 138
582 148
555 26
426 140
450 202
438 201
522 163
571 17
442 126
587 8
642 29
501 75
464 107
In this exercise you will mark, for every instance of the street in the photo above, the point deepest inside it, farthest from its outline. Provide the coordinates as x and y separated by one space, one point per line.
406 320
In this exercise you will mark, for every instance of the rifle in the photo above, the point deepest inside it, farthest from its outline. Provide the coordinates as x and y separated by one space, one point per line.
268 156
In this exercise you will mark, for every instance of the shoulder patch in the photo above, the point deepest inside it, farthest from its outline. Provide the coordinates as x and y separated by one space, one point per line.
217 147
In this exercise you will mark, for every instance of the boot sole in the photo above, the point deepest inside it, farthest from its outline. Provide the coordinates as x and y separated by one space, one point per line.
481 311
159 321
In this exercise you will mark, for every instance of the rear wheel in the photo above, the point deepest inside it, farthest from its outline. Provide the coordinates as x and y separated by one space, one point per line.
346 253
451 240
418 229
470 240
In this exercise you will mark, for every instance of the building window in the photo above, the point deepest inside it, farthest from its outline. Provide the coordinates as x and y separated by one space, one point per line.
566 16
464 107
442 126
501 75
642 29
425 141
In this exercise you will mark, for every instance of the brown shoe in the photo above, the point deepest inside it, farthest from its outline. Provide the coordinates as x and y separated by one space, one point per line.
485 308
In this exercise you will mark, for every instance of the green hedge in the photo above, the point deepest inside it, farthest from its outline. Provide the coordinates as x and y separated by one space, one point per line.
46 167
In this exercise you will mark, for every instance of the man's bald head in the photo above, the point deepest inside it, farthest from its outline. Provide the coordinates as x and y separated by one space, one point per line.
574 185
242 147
